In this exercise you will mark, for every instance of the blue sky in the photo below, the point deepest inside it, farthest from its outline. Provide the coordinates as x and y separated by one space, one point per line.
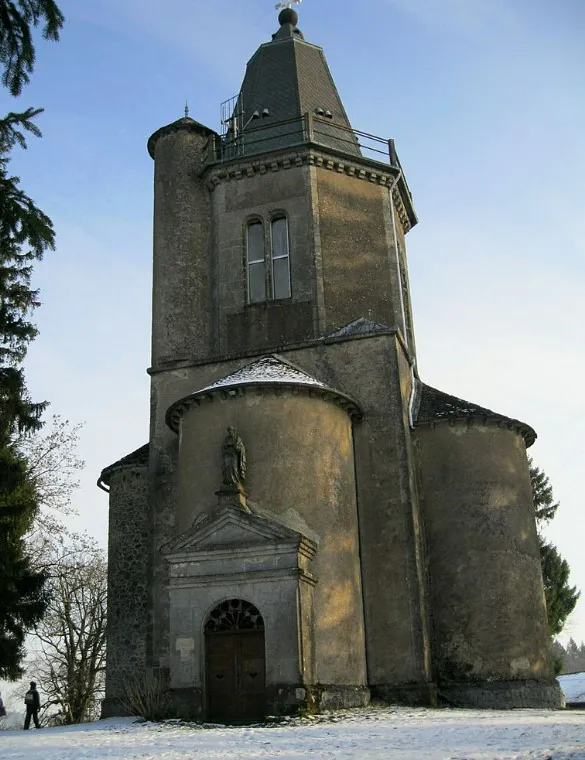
485 101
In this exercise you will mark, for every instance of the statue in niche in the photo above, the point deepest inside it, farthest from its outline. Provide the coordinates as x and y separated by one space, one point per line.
233 454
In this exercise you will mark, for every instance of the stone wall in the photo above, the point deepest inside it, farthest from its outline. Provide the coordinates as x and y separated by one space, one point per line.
129 548
182 292
300 459
359 273
489 615
241 326
164 447
375 371
343 231
273 589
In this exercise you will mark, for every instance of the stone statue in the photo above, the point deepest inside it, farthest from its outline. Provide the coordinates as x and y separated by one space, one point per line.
233 454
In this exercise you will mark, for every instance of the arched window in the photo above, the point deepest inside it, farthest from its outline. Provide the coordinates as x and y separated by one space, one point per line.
280 258
256 262
268 267
234 615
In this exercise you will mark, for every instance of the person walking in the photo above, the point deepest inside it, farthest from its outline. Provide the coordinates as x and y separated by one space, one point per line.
2 708
32 700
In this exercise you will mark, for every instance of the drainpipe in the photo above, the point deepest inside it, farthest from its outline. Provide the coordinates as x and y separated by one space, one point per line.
402 308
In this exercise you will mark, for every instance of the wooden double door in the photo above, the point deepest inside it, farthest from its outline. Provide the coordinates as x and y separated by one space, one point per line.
236 676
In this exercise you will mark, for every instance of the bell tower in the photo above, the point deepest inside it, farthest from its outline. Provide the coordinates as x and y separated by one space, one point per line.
285 233
377 545
284 228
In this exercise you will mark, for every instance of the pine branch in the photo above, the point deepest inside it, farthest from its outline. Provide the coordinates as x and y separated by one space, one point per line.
17 51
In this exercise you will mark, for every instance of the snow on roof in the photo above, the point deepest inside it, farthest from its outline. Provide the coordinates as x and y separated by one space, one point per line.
436 406
137 458
360 326
269 369
573 686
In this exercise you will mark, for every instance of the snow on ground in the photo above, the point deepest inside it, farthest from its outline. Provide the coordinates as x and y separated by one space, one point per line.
573 687
374 734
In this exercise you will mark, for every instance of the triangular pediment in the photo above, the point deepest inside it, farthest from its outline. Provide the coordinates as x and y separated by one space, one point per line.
232 527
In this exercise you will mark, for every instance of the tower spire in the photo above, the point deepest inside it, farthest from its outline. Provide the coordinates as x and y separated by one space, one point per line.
186 108
287 14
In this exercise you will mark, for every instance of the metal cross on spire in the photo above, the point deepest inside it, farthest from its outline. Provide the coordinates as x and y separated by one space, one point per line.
282 6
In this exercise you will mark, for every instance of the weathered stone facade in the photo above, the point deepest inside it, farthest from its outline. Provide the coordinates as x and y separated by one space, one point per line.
129 548
384 536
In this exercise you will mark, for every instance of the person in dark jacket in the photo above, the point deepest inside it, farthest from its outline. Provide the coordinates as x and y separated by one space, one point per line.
32 700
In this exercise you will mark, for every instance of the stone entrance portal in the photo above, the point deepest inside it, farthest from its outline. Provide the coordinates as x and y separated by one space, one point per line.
235 663
254 657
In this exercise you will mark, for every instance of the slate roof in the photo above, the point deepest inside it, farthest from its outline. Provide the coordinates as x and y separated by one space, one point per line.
267 371
360 326
185 122
436 406
137 458
290 77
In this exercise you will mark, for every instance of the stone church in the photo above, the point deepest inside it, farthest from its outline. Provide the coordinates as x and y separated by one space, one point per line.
310 525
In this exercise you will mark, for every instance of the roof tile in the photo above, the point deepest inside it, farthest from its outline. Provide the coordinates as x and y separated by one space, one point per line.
436 406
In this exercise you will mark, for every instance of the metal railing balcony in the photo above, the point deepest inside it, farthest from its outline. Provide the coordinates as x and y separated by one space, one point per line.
262 137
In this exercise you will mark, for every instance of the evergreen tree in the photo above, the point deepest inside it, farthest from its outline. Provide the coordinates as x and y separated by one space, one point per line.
25 234
558 655
22 596
18 18
571 657
561 598
545 507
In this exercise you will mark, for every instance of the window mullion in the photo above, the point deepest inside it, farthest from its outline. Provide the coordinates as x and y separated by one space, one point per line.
268 242
280 254
256 261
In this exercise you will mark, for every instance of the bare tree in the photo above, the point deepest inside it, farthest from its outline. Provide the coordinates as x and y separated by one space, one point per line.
53 464
52 467
69 643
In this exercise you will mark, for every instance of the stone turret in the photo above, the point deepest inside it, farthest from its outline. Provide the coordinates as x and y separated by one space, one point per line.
490 637
182 292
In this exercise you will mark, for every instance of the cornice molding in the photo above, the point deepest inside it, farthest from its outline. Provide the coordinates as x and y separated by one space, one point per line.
230 393
380 174
525 431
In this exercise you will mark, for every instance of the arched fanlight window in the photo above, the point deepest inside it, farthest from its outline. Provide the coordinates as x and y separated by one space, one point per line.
280 258
256 262
234 615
